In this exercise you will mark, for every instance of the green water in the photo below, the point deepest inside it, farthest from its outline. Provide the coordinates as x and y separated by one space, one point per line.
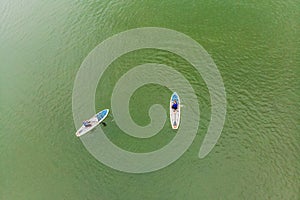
255 45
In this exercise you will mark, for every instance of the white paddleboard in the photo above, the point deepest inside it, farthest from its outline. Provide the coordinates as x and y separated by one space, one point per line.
94 121
175 114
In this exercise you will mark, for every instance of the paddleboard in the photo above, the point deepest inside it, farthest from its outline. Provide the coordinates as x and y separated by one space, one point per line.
94 121
175 114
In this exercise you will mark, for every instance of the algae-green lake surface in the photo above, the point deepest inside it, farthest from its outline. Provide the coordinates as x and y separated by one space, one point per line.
255 46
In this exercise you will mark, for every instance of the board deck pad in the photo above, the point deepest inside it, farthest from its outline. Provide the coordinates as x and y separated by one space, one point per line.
94 121
175 114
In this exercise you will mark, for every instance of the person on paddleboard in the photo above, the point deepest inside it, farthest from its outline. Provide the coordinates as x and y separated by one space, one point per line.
175 105
86 123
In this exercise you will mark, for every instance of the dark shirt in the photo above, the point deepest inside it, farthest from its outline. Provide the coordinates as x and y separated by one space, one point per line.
174 106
